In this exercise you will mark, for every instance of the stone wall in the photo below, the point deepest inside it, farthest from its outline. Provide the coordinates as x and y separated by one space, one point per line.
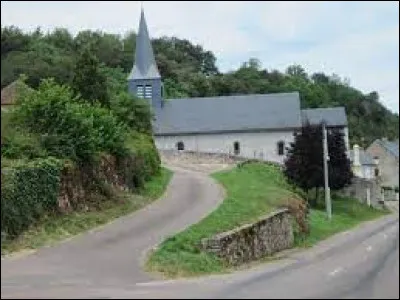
361 189
199 157
271 234
76 182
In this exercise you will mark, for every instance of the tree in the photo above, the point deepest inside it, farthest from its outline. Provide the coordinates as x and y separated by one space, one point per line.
89 81
304 164
340 173
296 71
132 111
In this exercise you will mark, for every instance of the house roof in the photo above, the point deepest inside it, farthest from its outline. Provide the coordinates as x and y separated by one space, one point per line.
229 114
333 116
365 158
145 66
391 147
10 92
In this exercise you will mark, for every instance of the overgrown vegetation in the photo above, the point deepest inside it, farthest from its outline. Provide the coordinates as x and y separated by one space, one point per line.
56 227
188 70
72 149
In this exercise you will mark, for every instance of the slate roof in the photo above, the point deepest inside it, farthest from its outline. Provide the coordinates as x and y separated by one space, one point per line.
145 66
226 113
391 147
333 116
365 158
229 114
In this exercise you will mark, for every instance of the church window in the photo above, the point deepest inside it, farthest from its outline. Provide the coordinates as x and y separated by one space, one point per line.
148 91
180 145
236 148
281 148
140 91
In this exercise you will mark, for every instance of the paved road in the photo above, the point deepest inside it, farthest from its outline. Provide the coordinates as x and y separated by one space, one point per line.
363 263
113 254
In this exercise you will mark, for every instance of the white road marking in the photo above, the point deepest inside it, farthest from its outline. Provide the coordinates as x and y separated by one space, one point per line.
385 236
369 248
336 271
152 283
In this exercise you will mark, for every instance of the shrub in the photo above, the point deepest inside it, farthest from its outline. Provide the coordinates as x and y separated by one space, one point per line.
18 144
132 111
141 162
29 191
69 128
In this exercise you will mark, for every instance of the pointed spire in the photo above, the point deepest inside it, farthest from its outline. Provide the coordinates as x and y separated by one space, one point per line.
145 66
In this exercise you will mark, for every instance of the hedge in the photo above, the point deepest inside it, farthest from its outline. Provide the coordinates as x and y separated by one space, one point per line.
29 190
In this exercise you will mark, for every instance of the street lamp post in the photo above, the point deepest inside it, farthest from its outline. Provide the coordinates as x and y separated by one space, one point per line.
326 177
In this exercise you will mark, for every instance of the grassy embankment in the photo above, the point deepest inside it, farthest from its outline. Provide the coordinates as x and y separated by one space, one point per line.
252 191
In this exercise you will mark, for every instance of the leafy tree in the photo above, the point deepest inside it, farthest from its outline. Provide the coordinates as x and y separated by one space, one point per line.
132 111
340 173
89 82
67 126
304 164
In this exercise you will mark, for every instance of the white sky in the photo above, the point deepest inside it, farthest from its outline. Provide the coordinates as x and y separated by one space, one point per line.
356 40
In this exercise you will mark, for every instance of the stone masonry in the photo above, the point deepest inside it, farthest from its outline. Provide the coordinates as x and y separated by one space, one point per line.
270 234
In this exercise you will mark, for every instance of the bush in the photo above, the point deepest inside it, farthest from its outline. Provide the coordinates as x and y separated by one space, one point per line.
132 111
141 163
69 128
29 191
18 144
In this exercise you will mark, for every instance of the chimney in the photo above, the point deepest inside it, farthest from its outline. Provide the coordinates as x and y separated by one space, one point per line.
356 155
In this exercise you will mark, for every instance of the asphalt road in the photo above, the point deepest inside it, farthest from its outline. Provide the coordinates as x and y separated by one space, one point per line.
113 254
362 263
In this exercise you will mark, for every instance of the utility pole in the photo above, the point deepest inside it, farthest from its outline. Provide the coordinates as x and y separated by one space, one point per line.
326 177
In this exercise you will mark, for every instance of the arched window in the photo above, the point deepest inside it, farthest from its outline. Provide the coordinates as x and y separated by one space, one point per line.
180 145
236 148
281 148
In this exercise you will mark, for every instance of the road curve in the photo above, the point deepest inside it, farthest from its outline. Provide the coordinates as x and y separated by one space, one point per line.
362 263
111 255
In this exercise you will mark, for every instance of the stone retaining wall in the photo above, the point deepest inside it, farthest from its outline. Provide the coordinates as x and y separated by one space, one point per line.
271 234
199 157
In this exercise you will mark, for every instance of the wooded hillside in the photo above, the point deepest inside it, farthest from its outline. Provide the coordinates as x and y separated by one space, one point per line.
189 71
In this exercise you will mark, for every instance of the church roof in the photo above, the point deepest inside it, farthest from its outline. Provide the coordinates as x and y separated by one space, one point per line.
229 114
333 116
145 66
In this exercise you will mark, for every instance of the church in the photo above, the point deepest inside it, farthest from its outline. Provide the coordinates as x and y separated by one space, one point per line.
251 126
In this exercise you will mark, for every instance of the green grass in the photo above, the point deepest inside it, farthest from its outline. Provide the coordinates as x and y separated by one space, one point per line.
54 229
346 214
252 191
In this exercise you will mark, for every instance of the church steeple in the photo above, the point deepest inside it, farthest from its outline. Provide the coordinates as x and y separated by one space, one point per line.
144 80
